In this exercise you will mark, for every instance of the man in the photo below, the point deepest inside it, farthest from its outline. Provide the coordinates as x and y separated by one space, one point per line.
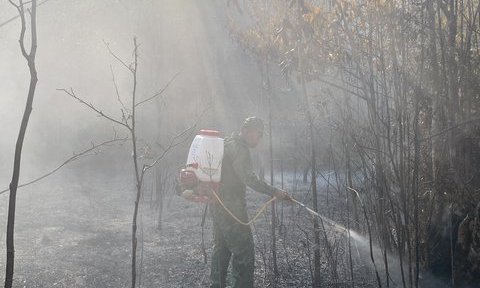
231 238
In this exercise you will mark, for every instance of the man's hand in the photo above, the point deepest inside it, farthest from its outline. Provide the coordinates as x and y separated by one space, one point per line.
281 195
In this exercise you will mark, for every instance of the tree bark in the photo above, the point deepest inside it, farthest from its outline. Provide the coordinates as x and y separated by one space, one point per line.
21 136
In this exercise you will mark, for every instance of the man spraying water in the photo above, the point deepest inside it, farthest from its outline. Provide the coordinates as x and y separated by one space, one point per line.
232 238
220 177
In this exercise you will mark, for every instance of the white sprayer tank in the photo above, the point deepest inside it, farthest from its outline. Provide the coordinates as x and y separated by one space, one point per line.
205 156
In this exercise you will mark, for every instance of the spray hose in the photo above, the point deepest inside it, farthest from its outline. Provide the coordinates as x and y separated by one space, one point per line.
257 214
262 209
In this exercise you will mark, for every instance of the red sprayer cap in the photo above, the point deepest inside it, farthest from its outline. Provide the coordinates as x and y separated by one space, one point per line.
213 133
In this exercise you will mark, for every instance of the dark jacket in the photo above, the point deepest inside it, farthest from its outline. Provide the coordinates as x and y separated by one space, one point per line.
237 174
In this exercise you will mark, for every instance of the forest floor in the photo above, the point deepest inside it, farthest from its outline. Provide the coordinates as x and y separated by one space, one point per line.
78 234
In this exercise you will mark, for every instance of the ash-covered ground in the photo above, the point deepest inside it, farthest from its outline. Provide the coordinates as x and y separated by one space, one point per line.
75 231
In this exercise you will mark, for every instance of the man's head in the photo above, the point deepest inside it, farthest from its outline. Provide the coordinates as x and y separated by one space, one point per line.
252 131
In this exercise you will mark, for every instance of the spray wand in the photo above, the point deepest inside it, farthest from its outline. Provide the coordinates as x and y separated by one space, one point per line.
337 226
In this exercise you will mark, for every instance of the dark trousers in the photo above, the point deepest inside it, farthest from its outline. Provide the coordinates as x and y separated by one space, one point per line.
234 241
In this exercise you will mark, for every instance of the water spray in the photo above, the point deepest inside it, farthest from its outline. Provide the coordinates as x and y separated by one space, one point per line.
365 243
339 228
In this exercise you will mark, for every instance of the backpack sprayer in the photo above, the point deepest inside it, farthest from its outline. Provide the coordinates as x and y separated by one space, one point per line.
199 180
202 172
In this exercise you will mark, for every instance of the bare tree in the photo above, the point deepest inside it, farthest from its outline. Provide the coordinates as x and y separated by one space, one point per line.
128 121
30 57
409 70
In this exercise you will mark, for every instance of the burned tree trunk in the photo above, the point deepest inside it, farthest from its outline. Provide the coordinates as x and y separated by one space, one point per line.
30 57
316 226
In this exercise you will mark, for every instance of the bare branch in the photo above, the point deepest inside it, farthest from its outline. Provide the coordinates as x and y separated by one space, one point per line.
116 90
118 58
9 20
159 92
71 159
173 143
449 129
17 16
72 94
14 5
33 21
21 13
197 120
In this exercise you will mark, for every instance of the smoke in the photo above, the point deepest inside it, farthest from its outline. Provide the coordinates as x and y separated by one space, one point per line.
215 78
